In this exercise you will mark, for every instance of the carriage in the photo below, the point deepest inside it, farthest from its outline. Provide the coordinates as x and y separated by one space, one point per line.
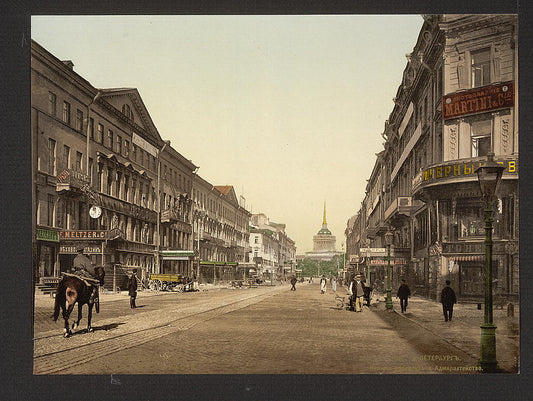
169 282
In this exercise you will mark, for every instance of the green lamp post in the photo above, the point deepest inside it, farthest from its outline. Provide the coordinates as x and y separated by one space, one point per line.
388 242
489 176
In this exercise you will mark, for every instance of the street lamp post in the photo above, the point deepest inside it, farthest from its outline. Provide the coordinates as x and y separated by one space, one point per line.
388 241
489 177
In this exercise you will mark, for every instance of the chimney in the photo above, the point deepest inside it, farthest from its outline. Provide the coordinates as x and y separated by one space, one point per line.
68 63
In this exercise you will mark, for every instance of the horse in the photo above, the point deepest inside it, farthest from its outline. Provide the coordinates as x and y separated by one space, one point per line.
72 289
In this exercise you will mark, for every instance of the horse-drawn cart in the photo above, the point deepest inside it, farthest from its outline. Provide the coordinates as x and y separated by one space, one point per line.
166 282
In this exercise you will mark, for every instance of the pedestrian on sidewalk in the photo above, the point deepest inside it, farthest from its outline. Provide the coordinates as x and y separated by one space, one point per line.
404 293
448 299
132 288
334 284
323 282
367 291
293 283
356 291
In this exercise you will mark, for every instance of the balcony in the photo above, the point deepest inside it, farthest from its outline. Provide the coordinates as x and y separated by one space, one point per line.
403 205
72 183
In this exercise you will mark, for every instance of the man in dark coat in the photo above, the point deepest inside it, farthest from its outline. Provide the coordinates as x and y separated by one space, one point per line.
404 293
448 299
132 288
293 283
80 267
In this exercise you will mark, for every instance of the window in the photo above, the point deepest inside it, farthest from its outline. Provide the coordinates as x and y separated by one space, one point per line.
126 147
91 169
134 153
257 239
91 128
126 188
52 102
79 157
66 157
51 156
481 137
100 138
50 215
66 113
110 141
141 152
79 120
480 67
119 144
109 180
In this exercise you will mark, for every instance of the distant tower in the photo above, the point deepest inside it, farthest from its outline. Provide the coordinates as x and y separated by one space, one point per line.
324 240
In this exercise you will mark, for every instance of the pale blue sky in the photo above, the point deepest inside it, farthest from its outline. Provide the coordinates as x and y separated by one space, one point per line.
287 109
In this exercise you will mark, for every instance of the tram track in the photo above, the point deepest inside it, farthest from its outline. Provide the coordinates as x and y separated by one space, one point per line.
51 356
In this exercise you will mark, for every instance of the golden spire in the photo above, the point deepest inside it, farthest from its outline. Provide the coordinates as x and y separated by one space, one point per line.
324 223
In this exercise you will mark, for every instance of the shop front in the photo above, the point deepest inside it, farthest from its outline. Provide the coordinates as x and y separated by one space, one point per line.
178 262
47 251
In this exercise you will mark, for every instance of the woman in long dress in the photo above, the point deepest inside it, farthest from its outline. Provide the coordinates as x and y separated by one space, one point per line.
323 285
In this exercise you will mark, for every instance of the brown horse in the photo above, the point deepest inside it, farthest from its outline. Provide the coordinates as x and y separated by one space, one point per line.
72 289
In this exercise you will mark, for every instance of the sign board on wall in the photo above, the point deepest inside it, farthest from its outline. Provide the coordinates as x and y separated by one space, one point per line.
143 144
478 100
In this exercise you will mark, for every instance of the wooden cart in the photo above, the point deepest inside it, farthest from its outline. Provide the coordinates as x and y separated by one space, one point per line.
166 282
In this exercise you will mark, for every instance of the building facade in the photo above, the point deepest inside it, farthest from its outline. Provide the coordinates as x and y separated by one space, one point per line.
221 232
324 243
96 165
456 103
271 250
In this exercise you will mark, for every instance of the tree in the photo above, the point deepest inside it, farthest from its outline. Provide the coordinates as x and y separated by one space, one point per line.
315 268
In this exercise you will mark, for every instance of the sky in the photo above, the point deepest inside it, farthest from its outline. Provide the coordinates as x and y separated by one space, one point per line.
287 109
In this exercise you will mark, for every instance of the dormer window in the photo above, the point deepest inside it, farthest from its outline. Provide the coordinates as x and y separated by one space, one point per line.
126 110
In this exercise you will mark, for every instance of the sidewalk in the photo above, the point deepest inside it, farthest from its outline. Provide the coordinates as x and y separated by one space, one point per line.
45 300
464 330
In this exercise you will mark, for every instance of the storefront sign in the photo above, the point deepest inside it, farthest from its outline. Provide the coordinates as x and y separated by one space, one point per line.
478 100
373 252
71 249
83 235
47 235
454 170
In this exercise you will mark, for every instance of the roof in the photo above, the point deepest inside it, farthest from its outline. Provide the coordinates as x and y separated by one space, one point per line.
224 189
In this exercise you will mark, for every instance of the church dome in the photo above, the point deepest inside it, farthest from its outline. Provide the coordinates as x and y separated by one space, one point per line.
324 231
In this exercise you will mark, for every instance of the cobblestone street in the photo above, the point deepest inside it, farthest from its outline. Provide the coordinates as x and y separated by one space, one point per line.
269 330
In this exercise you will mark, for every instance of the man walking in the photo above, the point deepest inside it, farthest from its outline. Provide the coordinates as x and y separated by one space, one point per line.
448 299
357 292
293 283
403 293
132 288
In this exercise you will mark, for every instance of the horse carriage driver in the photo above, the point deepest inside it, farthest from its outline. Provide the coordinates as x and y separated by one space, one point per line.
80 267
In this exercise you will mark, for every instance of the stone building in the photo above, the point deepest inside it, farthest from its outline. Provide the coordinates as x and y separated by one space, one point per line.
324 243
221 232
271 250
96 157
456 103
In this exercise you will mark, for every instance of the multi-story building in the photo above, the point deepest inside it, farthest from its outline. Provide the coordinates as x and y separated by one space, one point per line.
456 103
96 157
221 232
271 249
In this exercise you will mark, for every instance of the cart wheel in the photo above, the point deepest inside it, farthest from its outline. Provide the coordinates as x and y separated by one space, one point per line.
155 285
180 288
